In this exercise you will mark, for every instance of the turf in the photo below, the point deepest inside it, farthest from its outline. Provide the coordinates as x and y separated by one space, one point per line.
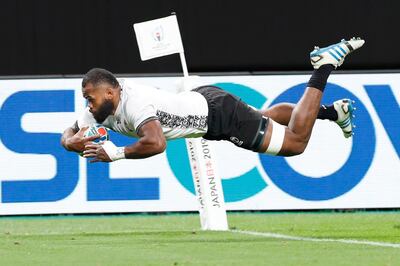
177 240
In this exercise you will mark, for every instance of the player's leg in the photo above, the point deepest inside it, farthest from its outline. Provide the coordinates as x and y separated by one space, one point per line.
293 139
340 112
282 112
302 121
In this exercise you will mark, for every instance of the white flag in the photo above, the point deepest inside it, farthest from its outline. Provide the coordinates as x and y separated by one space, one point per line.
158 37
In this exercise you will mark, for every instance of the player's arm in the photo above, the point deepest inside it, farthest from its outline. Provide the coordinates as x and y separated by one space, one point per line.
151 142
73 138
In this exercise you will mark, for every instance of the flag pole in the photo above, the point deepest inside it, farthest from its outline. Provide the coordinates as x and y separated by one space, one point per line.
184 66
209 193
182 56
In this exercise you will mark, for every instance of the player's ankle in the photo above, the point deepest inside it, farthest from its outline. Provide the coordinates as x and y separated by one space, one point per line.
320 76
327 112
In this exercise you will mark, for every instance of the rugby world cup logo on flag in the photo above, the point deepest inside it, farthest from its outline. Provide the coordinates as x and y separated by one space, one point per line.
160 42
158 37
158 34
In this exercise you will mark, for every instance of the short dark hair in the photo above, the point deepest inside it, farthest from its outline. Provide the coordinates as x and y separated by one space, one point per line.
97 76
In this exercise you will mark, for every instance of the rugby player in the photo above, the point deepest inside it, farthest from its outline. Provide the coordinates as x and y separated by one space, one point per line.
155 116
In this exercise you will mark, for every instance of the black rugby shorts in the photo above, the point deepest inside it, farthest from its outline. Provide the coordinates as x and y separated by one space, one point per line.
229 118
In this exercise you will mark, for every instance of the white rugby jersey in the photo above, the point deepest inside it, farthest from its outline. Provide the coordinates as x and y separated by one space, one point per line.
180 114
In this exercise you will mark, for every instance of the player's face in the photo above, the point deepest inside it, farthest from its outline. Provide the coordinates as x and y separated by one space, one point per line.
99 101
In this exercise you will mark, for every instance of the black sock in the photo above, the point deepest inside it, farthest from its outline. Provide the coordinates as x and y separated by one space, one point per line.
327 112
320 76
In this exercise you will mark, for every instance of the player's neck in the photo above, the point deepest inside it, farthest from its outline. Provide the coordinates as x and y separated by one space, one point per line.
116 101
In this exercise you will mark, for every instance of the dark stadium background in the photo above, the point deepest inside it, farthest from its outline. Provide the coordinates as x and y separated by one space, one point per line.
47 37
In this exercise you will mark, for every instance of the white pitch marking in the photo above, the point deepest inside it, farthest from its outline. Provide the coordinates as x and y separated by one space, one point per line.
299 238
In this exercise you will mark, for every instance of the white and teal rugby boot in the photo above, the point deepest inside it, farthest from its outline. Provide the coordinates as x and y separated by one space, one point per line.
335 53
345 111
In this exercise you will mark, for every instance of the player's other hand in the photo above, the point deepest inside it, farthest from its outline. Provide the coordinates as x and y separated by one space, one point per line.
77 142
95 151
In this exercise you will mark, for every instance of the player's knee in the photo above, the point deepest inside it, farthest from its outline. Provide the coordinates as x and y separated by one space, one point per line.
285 142
294 144
298 145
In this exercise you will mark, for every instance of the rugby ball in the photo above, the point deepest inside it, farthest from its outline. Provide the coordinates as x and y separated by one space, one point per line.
97 129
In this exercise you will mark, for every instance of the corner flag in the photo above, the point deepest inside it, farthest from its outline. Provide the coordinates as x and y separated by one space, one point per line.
158 37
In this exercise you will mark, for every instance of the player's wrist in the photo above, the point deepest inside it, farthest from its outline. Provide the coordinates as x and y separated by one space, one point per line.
115 153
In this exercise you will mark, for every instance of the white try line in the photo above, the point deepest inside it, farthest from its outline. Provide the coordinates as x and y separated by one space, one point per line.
311 239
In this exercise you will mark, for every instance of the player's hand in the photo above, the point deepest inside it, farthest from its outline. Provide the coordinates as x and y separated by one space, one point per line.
96 151
77 142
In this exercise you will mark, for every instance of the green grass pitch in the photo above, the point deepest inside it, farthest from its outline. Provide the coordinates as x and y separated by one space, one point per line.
177 240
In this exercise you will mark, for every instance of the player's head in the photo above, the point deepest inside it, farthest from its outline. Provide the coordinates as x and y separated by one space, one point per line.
101 89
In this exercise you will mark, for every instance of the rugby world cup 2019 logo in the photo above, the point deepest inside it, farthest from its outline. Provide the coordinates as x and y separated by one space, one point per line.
159 37
158 34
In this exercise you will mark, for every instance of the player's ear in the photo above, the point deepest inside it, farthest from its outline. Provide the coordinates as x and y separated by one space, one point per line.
110 93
